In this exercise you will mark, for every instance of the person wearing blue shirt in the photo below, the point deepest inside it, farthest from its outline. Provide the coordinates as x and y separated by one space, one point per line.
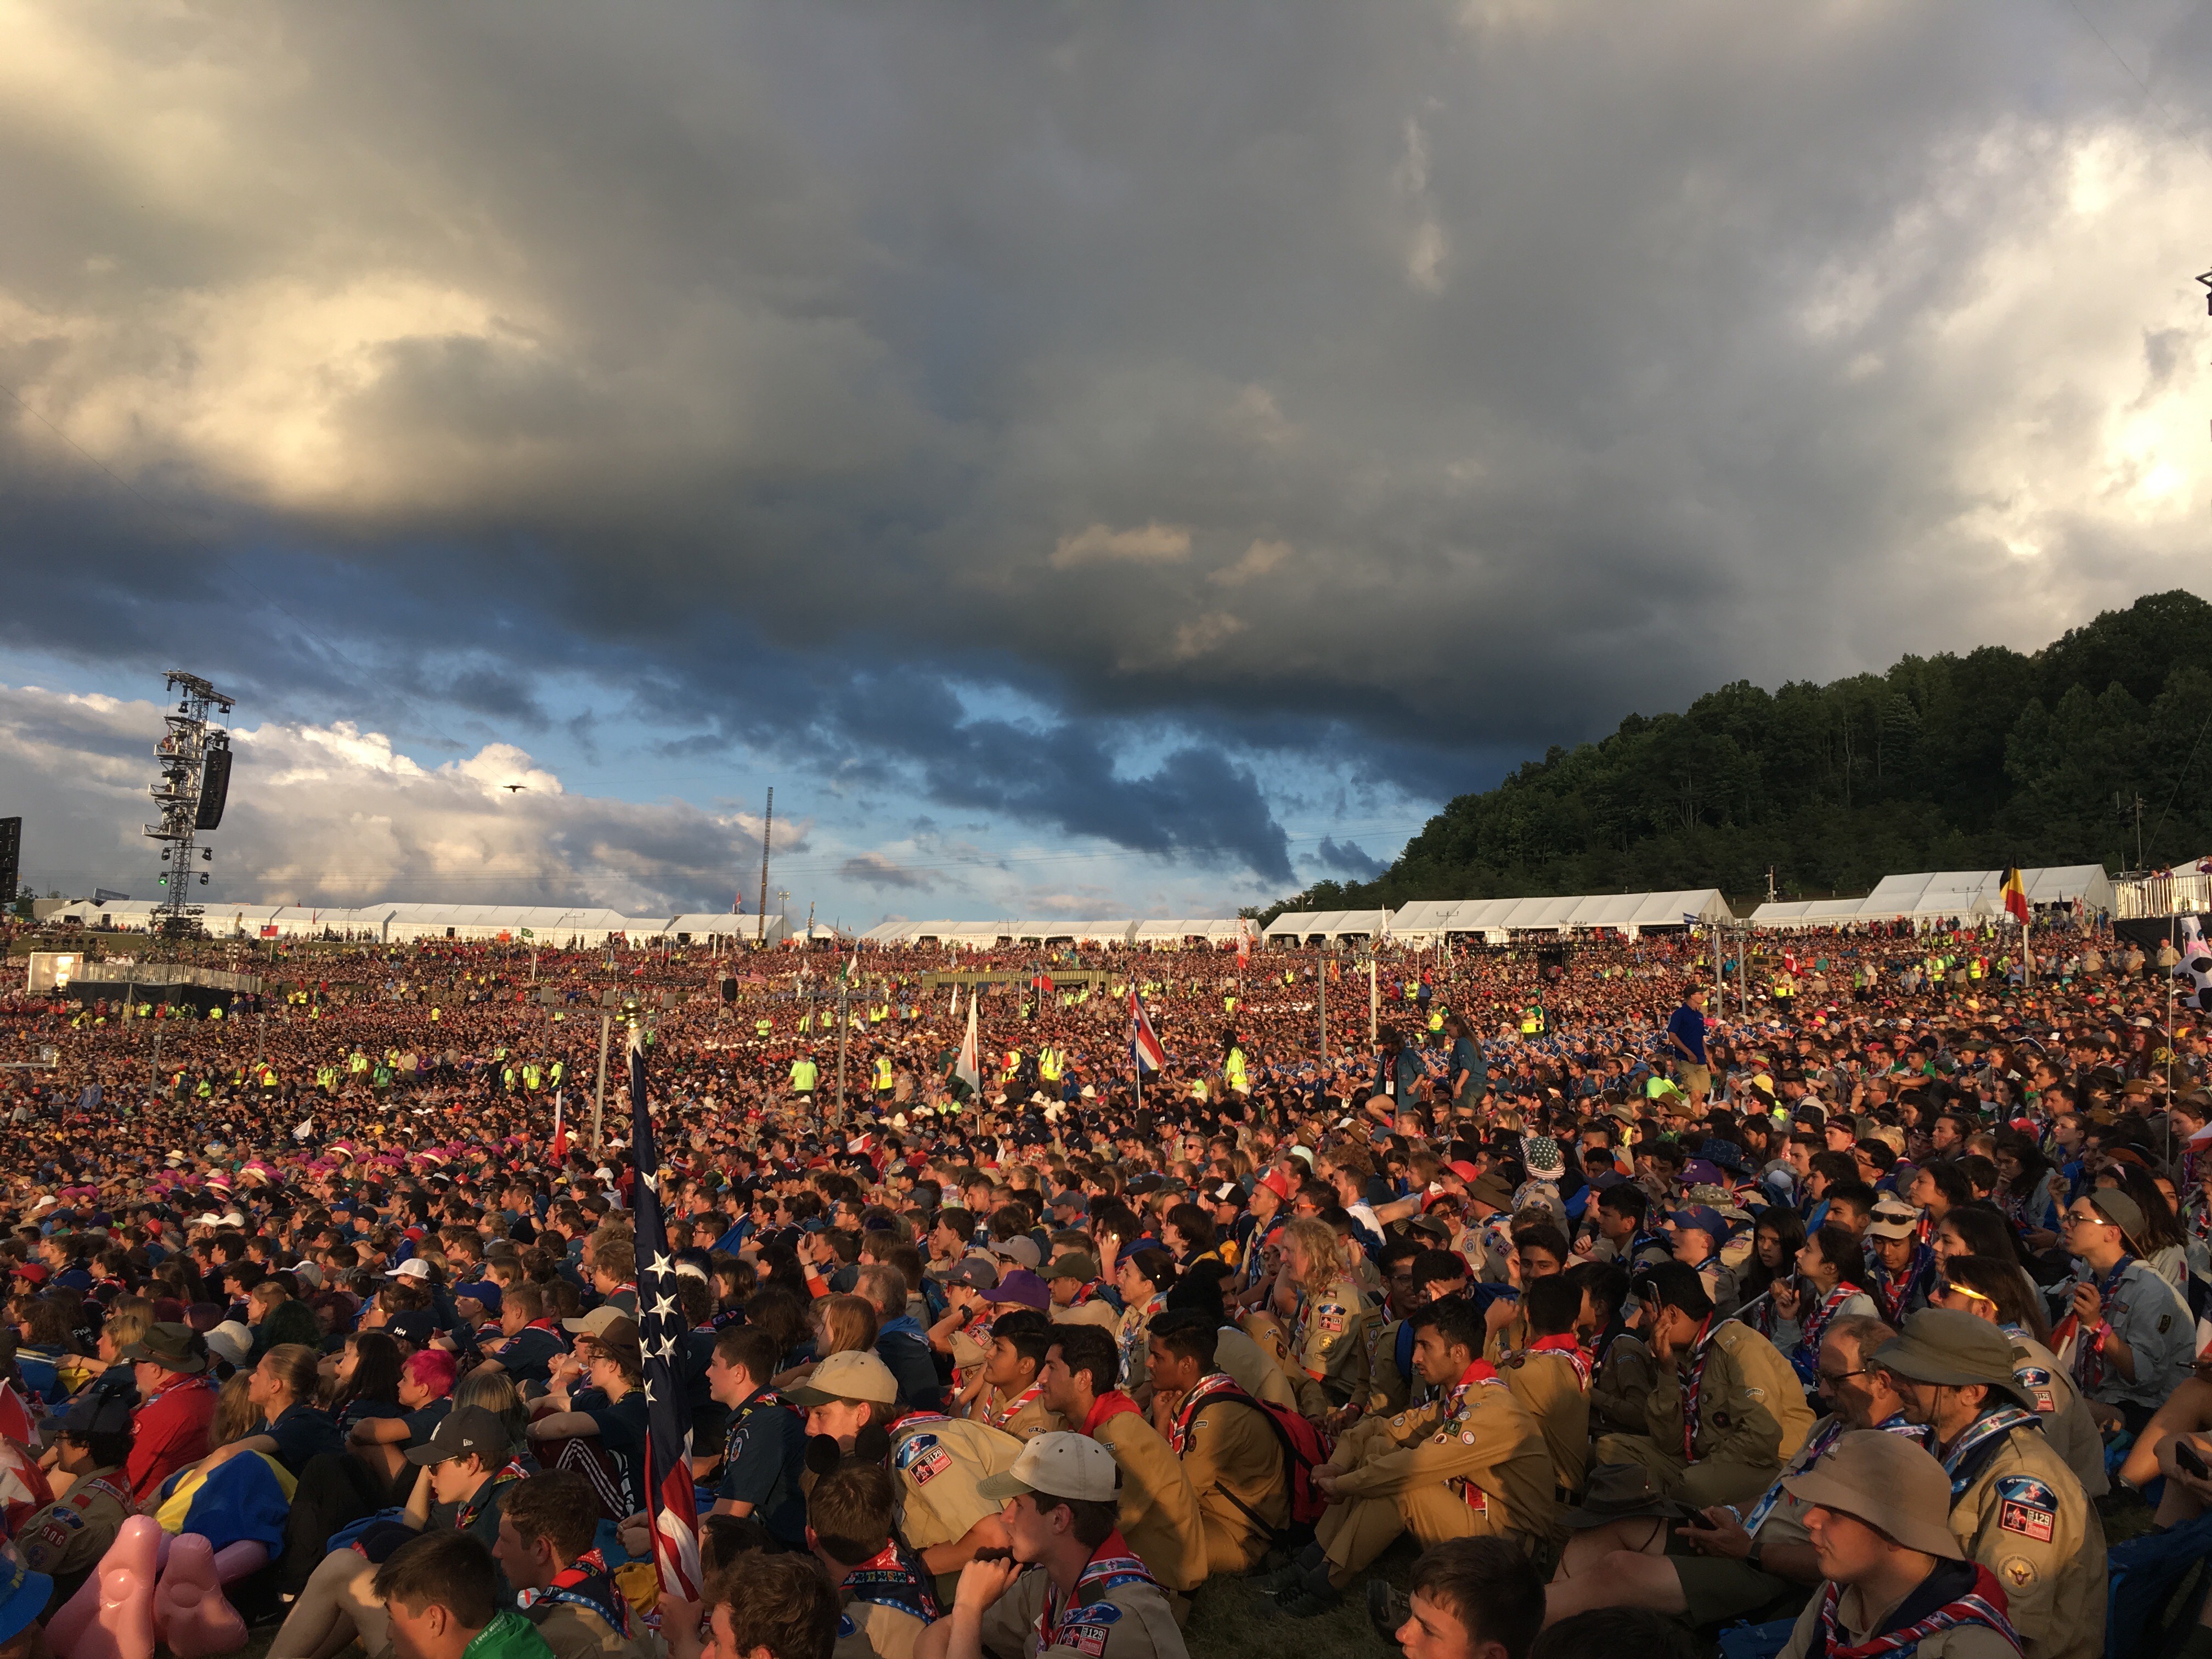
1470 1071
764 1441
1685 1042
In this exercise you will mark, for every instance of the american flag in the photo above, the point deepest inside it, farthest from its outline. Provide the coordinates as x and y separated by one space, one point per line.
662 1328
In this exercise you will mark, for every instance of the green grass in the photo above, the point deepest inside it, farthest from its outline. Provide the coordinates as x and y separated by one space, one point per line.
1228 1619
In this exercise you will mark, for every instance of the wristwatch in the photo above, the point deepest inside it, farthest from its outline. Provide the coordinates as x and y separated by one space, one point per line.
1751 1558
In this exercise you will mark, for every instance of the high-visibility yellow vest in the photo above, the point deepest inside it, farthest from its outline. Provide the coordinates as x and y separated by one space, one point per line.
805 1074
1048 1063
882 1072
1532 1020
1232 1069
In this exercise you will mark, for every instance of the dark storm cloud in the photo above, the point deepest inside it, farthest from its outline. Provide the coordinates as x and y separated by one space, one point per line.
1346 858
1394 390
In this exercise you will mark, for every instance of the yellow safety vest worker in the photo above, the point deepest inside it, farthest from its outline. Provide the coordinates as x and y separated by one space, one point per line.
761 1027
1532 1021
805 1073
1232 1069
882 1073
1048 1063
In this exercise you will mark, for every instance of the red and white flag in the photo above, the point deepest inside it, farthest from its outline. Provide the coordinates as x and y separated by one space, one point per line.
968 1067
1144 1041
560 1134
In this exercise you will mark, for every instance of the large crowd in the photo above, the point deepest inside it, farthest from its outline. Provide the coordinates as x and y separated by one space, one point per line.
1840 1300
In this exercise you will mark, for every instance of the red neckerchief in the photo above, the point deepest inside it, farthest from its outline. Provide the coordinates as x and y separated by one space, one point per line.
1214 1385
1983 1605
1700 1346
891 1579
1566 1344
584 1583
1090 1291
1019 1404
1111 1564
1111 1404
548 1323
1816 1322
1480 1371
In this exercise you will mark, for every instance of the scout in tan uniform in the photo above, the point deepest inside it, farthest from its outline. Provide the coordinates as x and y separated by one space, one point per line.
889 1600
1078 1297
1991 1290
1633 1547
1159 1512
1727 1411
1624 1374
1012 1399
941 1461
2015 1507
1325 1339
1472 1465
1551 1376
546 1527
1874 1513
66 1538
1254 1370
1072 1591
1229 1450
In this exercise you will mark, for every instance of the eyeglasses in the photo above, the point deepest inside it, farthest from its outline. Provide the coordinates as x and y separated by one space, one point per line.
1842 1376
2076 1218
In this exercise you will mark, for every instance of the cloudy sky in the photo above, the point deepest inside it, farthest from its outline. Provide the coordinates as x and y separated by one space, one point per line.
1108 460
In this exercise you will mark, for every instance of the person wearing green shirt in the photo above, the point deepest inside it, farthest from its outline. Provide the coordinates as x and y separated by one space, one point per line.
441 1597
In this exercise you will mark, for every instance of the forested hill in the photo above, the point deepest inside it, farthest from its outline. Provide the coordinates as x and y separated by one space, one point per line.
1943 762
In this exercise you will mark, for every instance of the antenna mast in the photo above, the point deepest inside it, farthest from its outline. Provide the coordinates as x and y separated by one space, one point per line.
768 829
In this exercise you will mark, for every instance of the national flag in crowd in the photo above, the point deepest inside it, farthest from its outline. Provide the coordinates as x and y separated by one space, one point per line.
1144 1041
968 1067
1245 926
661 1330
1042 983
560 1133
2015 893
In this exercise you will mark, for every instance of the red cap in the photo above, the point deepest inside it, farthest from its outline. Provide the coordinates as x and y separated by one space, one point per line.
34 1271
1278 1183
1464 1170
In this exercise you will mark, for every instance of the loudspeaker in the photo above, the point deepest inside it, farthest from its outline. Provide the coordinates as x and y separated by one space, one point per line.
215 786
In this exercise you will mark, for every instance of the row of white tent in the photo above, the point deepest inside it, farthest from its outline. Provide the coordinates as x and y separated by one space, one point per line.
1155 932
1968 895
1965 895
400 923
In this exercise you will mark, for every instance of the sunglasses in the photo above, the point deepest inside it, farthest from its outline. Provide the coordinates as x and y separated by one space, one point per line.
1951 1287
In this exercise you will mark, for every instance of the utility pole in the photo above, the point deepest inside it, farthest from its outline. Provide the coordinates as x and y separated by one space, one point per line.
1321 982
600 1102
782 900
1769 884
844 1030
767 830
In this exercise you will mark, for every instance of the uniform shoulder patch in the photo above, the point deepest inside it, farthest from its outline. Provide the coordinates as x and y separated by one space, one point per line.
2027 1508
846 1628
923 1458
2016 1572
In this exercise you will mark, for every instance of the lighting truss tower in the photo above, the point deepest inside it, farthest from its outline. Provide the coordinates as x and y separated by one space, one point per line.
195 781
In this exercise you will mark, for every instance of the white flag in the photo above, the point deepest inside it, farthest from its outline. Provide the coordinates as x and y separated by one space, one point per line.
968 1067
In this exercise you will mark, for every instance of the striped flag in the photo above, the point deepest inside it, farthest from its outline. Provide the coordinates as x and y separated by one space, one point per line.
1144 1041
2015 892
662 1328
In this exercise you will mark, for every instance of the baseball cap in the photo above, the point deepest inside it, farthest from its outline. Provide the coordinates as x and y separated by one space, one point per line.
1943 1346
482 1290
1023 1288
2117 1208
1073 1199
1888 1482
93 1413
416 1325
172 1347
413 1267
1059 1465
1073 1265
232 1342
35 1271
1023 1252
595 1322
1701 1217
977 1272
853 1375
466 1431
1278 1183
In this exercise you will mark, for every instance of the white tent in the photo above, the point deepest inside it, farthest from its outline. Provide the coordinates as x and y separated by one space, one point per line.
1425 921
1938 896
1304 927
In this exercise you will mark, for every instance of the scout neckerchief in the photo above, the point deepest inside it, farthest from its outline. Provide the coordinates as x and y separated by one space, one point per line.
1111 1404
1132 1337
473 1506
1816 1323
1019 1404
890 1579
1700 1348
2089 1341
1892 1293
1978 1605
1459 1404
1214 1385
584 1583
85 1490
1110 1567
1960 1464
1569 1349
1090 1291
1816 1448
177 1385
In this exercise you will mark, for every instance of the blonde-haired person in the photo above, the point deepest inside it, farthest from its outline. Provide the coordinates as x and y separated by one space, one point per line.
1318 1327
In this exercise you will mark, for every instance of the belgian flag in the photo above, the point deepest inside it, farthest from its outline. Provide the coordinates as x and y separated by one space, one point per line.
2015 893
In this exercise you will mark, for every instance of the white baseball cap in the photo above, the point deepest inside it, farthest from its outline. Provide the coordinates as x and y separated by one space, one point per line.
1059 1466
413 1267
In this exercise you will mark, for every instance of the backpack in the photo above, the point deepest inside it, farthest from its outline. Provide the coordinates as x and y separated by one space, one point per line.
1305 1447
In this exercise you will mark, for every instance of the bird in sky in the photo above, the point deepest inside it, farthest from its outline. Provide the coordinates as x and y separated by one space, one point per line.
515 788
